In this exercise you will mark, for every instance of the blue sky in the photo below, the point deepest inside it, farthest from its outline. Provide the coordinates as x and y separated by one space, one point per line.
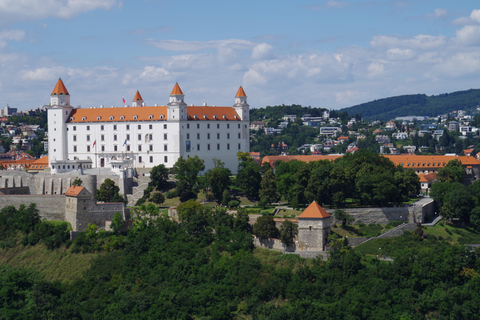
330 54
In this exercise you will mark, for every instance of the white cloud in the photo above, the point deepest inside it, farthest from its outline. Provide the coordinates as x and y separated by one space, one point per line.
399 54
475 15
420 41
262 51
439 13
336 4
19 10
375 69
6 35
179 45
153 74
469 35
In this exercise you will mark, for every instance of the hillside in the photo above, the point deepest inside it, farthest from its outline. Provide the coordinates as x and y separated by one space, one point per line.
416 104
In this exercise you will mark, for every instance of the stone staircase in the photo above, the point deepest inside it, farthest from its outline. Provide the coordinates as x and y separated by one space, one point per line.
140 184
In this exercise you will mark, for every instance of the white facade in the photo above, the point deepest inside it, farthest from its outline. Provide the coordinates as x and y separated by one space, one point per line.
143 137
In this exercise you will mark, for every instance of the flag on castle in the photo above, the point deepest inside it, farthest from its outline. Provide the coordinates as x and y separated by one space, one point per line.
123 98
94 143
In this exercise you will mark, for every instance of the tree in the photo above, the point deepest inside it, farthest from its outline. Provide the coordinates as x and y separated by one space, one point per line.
117 223
157 198
187 175
77 182
108 192
248 178
268 187
288 232
264 228
452 172
343 216
159 177
219 180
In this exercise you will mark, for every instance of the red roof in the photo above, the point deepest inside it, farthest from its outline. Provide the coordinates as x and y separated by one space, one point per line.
60 88
240 92
176 90
314 210
137 97
74 191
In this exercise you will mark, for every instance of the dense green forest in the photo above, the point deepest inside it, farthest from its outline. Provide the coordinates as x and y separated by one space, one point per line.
416 104
205 267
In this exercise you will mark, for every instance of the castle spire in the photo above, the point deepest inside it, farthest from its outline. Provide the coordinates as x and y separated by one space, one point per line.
60 88
176 90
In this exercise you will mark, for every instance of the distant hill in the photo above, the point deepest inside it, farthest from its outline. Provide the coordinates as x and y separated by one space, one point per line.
416 104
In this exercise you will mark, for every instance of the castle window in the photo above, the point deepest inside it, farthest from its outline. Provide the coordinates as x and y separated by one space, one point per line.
128 147
198 136
115 148
228 135
140 159
164 136
135 117
239 126
150 137
99 118
114 127
139 127
103 148
188 125
195 117
111 117
208 147
218 146
88 148
151 159
228 146
151 147
165 159
75 138
88 128
239 146
139 147
218 125
84 118
139 137
72 118
161 116
128 127
239 135
150 117
228 125
224 117
114 137
198 146
208 125
164 126
122 117
74 128
150 126
205 116
128 137
188 136
218 136
165 147
102 137
198 125
208 135
74 148
102 128
215 116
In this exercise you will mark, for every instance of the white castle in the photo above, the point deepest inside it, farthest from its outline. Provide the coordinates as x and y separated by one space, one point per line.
143 137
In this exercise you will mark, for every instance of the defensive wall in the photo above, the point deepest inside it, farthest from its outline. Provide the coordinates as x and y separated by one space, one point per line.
58 184
50 207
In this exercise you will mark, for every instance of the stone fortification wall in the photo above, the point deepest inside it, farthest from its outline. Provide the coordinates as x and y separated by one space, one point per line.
17 190
50 207
274 244
100 213
376 215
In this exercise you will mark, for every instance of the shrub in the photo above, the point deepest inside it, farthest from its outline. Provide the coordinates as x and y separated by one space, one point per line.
171 194
233 203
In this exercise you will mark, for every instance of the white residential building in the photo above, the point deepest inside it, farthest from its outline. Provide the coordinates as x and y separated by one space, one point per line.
143 137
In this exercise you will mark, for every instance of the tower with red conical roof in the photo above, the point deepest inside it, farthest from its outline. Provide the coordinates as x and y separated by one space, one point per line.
138 100
177 108
241 106
59 112
313 228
